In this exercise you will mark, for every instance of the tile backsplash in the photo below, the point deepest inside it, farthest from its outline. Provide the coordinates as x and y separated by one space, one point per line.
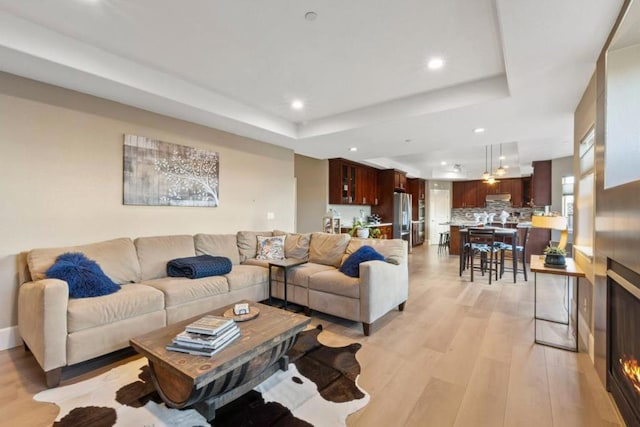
496 207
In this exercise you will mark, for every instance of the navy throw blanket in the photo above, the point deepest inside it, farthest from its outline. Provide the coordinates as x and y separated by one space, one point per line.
199 266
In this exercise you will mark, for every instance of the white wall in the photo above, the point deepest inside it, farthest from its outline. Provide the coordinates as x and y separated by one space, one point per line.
622 150
61 183
312 176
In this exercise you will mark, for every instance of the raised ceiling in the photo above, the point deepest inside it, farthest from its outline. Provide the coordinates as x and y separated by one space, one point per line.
516 68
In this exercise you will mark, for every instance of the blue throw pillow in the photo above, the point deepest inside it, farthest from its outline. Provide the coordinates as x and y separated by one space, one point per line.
84 277
351 266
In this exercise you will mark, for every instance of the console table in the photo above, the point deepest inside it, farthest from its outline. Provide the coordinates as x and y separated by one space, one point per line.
572 270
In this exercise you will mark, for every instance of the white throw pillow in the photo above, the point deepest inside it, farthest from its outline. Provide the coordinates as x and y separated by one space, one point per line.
271 247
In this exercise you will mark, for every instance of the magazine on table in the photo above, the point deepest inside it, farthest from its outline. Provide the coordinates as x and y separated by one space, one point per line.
192 339
210 325
201 351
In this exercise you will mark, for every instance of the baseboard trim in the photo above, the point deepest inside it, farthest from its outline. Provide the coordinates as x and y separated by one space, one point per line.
9 338
587 339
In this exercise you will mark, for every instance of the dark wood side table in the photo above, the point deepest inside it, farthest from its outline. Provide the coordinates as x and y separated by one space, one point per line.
285 265
572 270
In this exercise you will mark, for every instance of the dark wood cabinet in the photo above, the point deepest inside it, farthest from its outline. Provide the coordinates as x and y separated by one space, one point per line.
416 187
400 181
473 194
516 193
388 181
465 194
541 183
351 183
457 197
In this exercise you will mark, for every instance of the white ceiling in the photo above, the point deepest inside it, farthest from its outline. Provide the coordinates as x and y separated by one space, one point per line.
517 68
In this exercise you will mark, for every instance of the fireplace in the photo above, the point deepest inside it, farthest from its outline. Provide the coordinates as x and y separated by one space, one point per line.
623 336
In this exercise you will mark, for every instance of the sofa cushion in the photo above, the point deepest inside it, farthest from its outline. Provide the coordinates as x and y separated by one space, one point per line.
244 276
180 290
351 266
270 247
116 257
130 301
248 243
393 250
328 249
257 262
225 245
334 282
84 277
296 245
300 274
155 252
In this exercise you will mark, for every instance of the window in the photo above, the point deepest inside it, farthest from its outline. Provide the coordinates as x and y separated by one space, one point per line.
586 191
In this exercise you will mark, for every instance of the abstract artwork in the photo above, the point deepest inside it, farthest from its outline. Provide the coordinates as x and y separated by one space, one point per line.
159 173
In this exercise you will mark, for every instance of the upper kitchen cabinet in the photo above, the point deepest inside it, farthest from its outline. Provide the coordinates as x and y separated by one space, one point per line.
416 187
541 183
465 194
351 183
400 181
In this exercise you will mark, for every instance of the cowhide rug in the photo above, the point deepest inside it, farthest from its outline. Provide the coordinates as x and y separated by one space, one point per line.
319 389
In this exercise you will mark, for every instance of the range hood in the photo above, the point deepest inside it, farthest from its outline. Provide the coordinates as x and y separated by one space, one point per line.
502 197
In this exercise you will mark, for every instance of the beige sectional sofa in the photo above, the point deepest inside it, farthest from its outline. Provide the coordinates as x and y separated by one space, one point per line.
62 331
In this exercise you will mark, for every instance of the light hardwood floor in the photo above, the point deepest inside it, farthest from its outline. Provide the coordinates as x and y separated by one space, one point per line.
461 354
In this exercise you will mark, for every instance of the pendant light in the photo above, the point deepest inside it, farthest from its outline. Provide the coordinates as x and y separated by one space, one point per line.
486 175
501 171
491 180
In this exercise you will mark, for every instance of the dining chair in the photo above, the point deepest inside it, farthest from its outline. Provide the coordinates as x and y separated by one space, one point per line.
481 241
507 249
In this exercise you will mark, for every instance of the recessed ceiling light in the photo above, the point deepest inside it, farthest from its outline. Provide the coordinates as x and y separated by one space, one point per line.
435 63
443 163
310 16
353 149
297 104
479 130
407 140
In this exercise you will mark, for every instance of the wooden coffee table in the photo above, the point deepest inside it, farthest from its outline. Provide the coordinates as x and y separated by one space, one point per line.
207 383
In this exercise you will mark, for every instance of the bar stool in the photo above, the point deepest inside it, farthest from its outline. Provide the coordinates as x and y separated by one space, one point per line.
481 242
444 242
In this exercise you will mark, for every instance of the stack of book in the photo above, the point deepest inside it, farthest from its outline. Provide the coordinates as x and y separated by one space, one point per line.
205 336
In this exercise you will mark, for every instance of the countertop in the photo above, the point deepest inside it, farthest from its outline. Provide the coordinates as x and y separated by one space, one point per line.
381 224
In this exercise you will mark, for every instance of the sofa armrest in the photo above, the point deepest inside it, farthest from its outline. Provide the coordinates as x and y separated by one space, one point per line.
383 286
42 320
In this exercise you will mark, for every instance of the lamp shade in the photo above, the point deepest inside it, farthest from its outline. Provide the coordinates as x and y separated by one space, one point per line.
553 223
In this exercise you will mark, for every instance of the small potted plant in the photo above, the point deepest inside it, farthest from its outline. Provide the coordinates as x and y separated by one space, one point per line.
375 233
554 257
359 229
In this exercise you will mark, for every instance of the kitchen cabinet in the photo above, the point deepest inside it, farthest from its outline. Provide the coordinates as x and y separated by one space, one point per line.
400 181
541 183
516 193
416 187
470 194
454 240
351 183
465 194
387 183
386 231
457 198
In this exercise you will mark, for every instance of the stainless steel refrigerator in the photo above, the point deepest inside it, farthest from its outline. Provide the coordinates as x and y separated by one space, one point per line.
402 217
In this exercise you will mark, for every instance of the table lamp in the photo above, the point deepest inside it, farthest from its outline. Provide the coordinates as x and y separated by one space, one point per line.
554 256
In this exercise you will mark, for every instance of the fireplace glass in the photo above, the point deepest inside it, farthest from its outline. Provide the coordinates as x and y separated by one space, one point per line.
624 351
